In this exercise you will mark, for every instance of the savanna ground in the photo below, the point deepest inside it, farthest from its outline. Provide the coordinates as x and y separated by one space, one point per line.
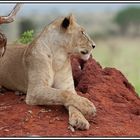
121 53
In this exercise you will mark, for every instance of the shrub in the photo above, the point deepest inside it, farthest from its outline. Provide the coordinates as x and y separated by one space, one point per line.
26 37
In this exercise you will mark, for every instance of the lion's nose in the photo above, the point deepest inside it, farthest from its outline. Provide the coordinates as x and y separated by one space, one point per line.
93 46
84 52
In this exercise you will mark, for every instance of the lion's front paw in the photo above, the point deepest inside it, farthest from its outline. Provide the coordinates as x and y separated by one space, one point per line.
77 121
85 106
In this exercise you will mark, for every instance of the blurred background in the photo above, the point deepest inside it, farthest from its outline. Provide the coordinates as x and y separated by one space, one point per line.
115 28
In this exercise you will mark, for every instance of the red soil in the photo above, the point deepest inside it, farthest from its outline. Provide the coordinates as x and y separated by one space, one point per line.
118 107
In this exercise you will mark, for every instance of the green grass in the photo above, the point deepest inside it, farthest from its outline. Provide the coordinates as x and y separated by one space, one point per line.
123 54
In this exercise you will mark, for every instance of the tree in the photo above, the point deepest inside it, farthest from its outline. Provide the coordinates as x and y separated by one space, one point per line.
127 17
7 19
25 25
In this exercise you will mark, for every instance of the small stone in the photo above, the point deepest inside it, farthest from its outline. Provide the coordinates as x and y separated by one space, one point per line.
57 118
51 121
30 111
43 110
18 93
6 130
49 110
79 67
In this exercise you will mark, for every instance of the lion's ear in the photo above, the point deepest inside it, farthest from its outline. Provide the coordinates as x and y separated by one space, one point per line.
68 21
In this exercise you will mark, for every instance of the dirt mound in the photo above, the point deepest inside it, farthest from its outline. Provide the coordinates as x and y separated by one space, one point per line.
118 107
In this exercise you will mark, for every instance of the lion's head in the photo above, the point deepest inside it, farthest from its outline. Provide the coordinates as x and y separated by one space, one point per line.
79 41
72 37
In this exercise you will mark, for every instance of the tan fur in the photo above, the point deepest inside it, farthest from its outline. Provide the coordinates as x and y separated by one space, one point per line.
43 69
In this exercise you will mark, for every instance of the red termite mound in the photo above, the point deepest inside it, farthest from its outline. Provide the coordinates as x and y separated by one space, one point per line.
118 107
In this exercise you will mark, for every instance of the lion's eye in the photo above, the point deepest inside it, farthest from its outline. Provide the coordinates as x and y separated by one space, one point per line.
82 32
85 35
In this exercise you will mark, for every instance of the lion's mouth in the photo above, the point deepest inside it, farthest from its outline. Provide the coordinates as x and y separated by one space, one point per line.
85 57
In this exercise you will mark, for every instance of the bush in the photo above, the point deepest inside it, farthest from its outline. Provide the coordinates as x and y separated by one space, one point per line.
26 37
26 24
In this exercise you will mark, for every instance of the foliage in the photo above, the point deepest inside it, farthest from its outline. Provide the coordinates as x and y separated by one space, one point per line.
26 24
26 37
128 16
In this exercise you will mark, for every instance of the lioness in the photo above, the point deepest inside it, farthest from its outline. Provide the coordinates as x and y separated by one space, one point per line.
43 70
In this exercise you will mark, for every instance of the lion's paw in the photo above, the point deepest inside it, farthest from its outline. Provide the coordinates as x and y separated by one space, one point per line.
85 106
78 121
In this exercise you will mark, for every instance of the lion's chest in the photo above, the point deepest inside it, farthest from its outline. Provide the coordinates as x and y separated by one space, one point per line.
62 72
58 61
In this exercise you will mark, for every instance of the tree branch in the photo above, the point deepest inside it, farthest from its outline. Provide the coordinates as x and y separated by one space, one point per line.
11 16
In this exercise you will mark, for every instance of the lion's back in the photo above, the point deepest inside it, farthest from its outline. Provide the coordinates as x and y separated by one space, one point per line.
12 71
